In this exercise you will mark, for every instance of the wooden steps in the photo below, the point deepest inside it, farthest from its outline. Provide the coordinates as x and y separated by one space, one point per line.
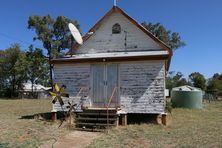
90 129
95 124
95 119
98 109
96 114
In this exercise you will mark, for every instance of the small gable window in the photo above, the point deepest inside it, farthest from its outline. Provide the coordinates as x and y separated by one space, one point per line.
116 29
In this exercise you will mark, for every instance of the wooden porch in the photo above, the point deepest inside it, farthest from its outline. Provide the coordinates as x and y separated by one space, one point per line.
99 118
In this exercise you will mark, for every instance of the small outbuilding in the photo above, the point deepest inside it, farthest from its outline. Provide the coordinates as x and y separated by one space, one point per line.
38 91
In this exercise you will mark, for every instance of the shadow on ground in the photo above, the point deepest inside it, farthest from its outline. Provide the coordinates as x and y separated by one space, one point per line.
43 116
4 145
142 118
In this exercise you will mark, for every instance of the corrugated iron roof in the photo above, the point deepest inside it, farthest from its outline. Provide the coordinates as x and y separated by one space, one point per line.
36 87
116 54
186 88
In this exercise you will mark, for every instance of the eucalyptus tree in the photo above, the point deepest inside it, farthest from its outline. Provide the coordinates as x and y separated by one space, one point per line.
14 68
53 33
2 75
175 79
37 66
172 39
215 83
198 80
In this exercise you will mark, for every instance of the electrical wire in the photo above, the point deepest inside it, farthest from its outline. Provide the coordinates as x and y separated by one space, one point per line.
24 43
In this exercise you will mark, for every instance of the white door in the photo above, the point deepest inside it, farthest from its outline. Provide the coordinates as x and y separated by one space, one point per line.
104 84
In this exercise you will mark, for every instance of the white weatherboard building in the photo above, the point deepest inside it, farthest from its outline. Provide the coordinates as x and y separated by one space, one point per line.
121 65
39 91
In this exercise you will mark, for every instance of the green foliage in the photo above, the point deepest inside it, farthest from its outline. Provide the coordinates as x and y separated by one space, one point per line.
53 33
195 79
18 67
212 85
13 69
175 79
215 83
169 106
2 76
37 67
172 39
198 80
62 33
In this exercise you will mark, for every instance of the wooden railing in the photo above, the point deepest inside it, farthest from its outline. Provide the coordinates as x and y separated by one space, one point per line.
109 102
79 92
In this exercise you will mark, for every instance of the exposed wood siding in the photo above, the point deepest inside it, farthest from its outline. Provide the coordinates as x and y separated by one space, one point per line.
142 87
104 41
73 76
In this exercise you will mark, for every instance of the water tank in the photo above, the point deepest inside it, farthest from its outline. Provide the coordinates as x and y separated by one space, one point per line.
187 97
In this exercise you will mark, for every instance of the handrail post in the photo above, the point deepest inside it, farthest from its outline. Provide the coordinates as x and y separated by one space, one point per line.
107 107
79 92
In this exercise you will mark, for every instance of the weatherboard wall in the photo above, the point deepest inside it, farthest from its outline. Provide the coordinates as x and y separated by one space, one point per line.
142 85
74 77
103 40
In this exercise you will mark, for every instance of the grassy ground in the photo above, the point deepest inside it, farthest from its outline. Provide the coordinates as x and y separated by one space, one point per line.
18 130
189 128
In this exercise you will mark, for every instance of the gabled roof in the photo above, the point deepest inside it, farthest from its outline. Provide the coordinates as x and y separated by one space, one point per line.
138 25
114 9
117 9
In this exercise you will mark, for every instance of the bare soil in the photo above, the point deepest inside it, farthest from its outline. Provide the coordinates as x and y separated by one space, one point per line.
75 139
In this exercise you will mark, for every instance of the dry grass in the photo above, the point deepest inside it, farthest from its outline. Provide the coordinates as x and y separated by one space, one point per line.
189 128
17 132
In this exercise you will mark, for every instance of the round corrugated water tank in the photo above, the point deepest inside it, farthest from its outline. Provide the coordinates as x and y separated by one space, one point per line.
187 97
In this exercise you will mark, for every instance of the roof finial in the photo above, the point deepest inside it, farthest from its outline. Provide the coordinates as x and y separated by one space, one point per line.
115 3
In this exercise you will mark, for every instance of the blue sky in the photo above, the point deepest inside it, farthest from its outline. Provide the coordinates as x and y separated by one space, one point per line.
199 23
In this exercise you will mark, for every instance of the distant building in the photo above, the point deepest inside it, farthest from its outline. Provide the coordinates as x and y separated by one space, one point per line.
39 91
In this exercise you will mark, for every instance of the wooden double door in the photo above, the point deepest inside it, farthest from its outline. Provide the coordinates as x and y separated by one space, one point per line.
105 83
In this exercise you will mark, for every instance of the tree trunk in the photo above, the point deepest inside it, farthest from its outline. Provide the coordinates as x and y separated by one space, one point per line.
13 87
49 48
32 88
50 68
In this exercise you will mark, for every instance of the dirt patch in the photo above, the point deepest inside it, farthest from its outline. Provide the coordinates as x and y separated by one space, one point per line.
75 139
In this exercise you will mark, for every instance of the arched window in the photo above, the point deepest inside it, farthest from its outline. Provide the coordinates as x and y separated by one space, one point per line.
116 29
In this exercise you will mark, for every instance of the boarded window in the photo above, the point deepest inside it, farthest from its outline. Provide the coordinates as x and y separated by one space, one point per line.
116 29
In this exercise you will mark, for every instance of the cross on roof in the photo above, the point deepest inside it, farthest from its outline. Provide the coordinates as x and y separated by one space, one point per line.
115 3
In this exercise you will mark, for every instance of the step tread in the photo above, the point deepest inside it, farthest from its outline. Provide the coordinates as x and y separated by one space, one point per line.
94 124
100 109
97 119
90 129
97 114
